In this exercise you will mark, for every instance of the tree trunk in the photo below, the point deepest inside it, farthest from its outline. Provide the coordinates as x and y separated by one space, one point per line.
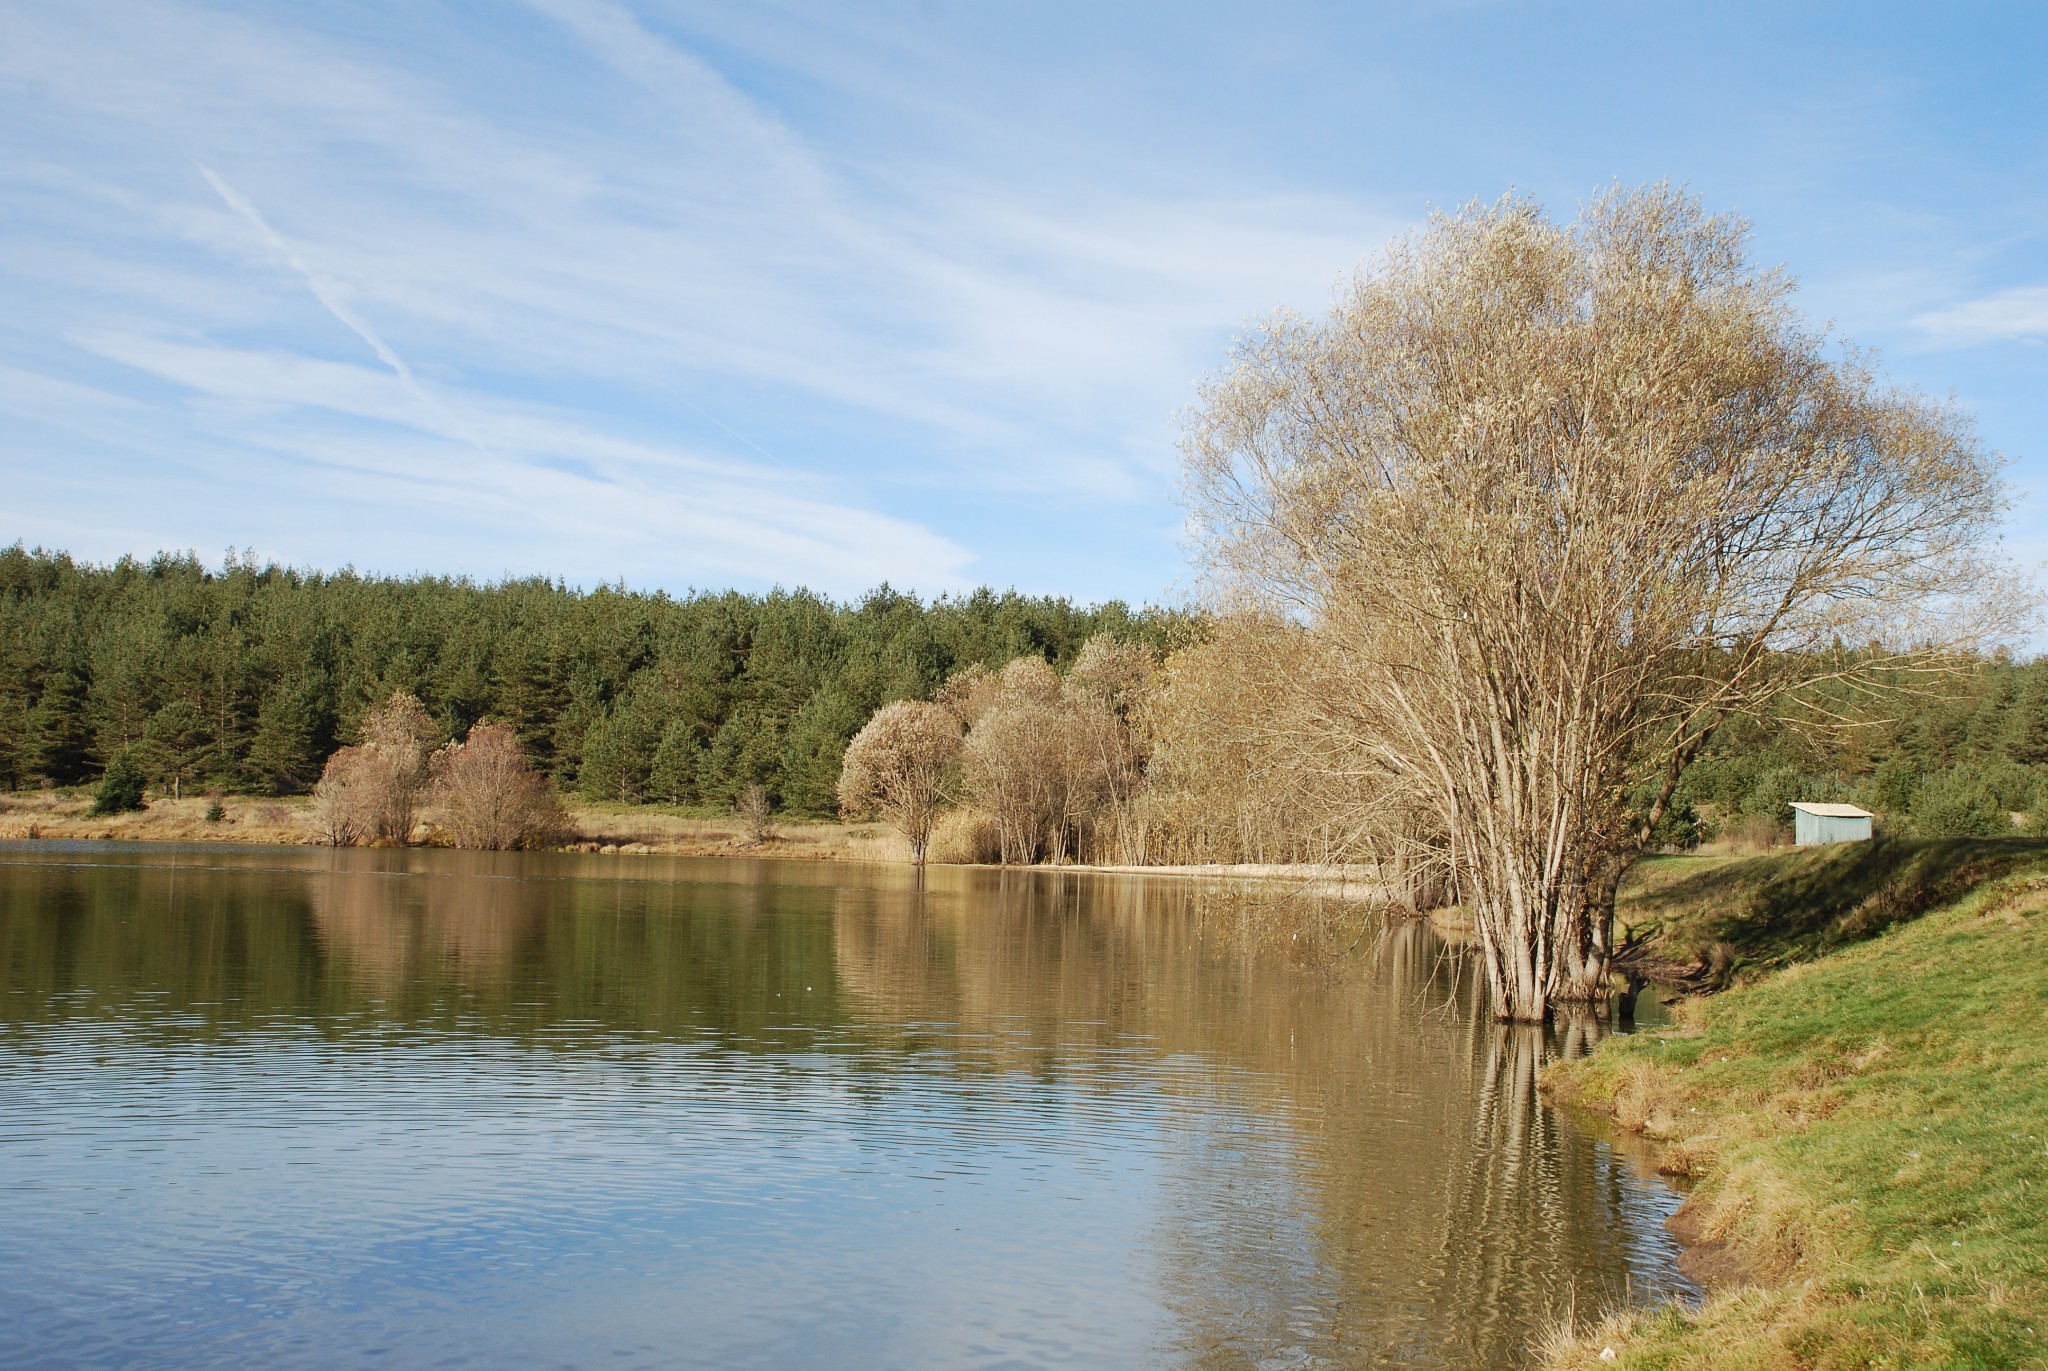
1590 970
1518 975
1546 935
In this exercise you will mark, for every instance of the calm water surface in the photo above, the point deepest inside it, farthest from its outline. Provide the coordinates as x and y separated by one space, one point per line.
309 1108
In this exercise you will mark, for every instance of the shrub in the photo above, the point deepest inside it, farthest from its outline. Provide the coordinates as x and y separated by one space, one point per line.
372 793
896 767
1959 805
485 796
120 790
756 813
1014 760
1678 830
345 798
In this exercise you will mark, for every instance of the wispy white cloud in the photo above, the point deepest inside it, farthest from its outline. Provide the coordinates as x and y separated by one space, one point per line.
581 246
33 396
480 463
2020 312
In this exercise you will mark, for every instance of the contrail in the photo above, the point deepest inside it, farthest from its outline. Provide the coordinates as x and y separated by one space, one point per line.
329 294
325 291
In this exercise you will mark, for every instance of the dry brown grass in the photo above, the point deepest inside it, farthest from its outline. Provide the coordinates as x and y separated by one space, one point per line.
1750 837
63 814
637 828
966 836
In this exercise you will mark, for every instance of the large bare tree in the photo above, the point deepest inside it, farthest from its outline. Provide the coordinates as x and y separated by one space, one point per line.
1551 502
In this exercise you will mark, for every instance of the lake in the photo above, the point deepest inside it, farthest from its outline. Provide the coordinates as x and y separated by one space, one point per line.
302 1107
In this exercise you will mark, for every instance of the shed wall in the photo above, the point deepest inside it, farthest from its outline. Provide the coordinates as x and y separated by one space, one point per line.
1814 830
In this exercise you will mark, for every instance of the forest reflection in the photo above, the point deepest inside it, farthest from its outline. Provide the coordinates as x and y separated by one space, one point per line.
1359 1167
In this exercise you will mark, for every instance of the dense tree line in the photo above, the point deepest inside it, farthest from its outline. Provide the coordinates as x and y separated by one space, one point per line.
1954 757
248 676
1960 752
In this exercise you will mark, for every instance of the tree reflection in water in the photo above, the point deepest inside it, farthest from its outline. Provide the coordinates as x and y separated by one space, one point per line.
1391 1187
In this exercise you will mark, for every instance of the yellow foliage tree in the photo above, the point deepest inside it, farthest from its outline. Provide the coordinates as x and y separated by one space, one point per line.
1552 502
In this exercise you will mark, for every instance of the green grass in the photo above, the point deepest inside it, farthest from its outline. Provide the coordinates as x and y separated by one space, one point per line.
1869 1129
1718 920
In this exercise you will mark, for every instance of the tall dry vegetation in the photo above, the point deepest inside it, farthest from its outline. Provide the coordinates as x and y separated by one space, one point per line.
480 793
371 793
1227 780
485 796
1219 788
1546 505
1108 691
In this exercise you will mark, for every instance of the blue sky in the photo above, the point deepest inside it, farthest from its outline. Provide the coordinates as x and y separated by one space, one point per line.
826 294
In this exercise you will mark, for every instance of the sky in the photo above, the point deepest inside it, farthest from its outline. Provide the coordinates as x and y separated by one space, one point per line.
695 295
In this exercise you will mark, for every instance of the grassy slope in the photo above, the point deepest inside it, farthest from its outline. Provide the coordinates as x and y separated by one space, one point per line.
1870 1130
1715 921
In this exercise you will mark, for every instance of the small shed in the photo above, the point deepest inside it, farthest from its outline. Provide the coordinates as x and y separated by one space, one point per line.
1814 824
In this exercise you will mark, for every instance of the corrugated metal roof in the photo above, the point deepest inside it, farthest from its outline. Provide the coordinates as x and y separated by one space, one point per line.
1835 811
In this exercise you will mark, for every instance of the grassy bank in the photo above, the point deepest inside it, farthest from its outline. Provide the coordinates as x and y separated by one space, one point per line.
1709 922
1868 1129
66 814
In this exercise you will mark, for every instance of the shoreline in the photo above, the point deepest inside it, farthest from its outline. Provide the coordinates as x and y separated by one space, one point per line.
27 816
1864 1153
610 830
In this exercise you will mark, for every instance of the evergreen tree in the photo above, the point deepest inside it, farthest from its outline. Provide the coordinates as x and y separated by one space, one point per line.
177 744
813 750
287 751
58 734
528 694
1892 788
125 684
678 760
1958 804
2026 731
746 751
120 789
618 753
